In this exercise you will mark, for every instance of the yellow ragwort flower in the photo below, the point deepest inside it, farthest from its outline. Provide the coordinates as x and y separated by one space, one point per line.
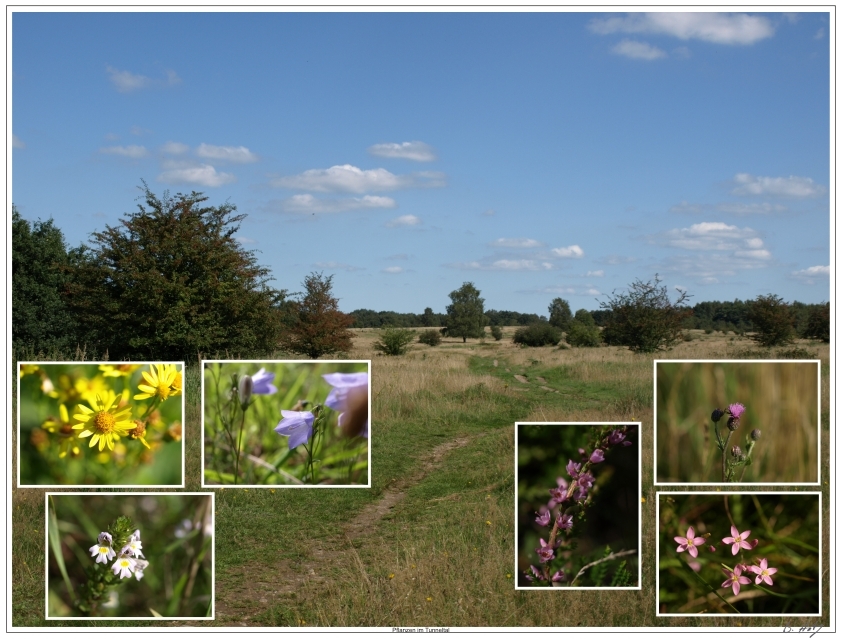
106 421
118 370
159 382
63 427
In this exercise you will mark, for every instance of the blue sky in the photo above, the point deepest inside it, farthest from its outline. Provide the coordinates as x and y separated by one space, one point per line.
538 155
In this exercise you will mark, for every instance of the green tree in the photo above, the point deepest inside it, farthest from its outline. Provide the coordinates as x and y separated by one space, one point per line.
317 326
560 314
644 318
172 282
817 324
773 320
466 315
429 318
395 341
582 330
40 320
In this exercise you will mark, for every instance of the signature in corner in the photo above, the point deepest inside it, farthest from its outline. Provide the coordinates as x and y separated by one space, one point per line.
810 629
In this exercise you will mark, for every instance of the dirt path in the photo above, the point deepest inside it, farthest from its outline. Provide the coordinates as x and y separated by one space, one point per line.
261 583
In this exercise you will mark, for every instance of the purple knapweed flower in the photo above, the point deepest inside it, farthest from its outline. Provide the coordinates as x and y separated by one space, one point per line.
738 540
543 518
545 552
573 469
735 578
564 522
586 480
615 437
297 425
344 385
263 383
597 457
736 410
689 543
763 572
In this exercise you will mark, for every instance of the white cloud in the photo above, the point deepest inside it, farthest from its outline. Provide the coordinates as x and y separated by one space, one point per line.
813 271
125 81
686 207
599 273
792 186
504 265
238 154
338 266
417 151
245 240
17 143
348 178
138 130
175 148
719 28
593 291
820 34
202 175
403 220
306 203
638 50
517 242
568 251
132 151
172 78
754 208
489 213
712 236
393 270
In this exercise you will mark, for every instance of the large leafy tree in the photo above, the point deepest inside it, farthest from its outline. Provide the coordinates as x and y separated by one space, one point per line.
773 320
316 325
644 318
466 315
39 261
560 314
170 281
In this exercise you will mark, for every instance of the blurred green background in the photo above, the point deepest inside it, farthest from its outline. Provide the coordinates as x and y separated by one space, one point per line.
266 458
613 519
780 398
45 387
787 527
177 535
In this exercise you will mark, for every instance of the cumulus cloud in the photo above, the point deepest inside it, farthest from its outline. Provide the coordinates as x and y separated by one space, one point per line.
568 251
792 186
599 273
811 274
175 148
17 143
126 81
201 175
132 151
351 179
238 154
393 270
307 203
403 220
517 242
417 151
638 50
712 236
718 28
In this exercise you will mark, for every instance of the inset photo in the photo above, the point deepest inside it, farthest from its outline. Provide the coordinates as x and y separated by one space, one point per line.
130 555
579 511
737 422
739 554
86 424
286 423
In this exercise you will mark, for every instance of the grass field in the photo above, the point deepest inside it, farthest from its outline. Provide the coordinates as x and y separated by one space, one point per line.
432 542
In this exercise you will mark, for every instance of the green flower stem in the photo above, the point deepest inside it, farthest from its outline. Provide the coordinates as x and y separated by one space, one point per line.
100 576
711 588
748 453
724 457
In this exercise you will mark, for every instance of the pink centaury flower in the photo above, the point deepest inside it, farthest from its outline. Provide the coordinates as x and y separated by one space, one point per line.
736 410
597 457
735 578
738 540
763 572
689 543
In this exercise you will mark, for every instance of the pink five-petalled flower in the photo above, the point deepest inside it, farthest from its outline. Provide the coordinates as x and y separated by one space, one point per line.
735 578
763 572
689 543
739 540
545 552
297 425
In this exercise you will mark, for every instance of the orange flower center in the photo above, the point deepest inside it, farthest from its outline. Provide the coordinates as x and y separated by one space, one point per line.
163 391
104 422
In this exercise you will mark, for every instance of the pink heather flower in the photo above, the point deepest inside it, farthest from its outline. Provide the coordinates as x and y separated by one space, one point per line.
585 480
736 410
615 437
580 494
735 578
573 469
564 522
597 457
558 495
543 519
763 572
545 552
690 542
559 576
739 540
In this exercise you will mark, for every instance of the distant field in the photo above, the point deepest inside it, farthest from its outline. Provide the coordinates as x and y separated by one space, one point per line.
432 542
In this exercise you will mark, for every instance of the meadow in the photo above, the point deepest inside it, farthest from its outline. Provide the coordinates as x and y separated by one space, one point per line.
432 542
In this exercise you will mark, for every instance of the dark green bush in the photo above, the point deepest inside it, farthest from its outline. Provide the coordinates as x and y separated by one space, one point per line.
773 321
431 336
539 334
395 341
817 325
582 331
496 332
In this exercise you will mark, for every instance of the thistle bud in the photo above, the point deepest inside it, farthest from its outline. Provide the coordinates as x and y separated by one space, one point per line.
246 387
733 423
755 434
736 451
717 415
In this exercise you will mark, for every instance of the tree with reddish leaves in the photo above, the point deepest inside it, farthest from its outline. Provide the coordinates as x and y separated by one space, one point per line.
316 325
